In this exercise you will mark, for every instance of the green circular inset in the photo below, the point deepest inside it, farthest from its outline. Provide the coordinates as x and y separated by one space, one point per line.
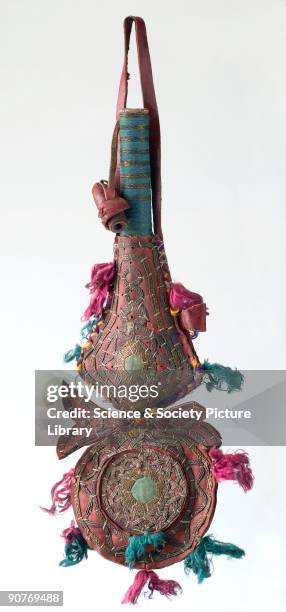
133 363
144 489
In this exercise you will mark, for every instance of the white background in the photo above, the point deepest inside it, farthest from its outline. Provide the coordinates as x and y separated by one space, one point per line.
220 75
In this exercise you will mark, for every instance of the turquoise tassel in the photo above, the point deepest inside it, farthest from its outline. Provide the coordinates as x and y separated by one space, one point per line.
136 548
72 354
75 551
87 329
222 378
198 561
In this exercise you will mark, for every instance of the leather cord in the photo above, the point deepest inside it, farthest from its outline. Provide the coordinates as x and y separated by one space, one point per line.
113 157
149 101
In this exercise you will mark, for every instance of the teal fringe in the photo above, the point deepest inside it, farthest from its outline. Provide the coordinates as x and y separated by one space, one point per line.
198 561
85 332
222 378
75 551
136 548
72 354
87 329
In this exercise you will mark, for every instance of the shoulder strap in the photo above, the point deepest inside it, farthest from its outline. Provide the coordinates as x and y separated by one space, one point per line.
149 101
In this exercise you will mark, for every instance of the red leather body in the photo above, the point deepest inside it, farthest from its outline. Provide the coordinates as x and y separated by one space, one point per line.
140 332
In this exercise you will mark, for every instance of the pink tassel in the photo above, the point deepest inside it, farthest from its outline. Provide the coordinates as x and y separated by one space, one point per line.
232 466
135 589
181 298
154 583
70 533
61 494
99 286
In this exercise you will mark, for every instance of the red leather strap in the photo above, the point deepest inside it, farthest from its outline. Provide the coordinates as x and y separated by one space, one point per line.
149 101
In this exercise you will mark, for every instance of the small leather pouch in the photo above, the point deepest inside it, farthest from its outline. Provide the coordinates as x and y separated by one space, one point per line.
194 318
111 206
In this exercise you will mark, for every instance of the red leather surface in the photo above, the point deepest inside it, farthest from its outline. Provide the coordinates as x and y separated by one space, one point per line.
91 501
